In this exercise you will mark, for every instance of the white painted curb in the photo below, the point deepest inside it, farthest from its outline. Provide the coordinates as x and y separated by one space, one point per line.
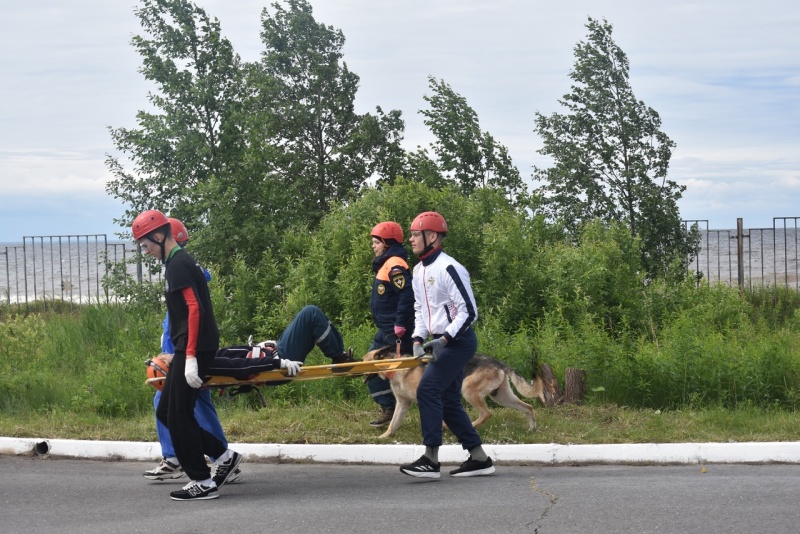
553 453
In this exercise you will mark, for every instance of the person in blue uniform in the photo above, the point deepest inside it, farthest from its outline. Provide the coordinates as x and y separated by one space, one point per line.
392 306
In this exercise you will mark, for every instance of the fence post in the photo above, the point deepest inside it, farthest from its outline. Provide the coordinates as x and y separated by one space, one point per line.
740 251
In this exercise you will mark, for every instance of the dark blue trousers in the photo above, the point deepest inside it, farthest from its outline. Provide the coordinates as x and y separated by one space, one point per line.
439 394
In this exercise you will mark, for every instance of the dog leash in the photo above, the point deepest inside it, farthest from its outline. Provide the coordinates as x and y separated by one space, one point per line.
390 374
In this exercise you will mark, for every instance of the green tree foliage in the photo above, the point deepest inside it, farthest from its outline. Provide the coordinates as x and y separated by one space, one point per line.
331 265
241 152
190 138
466 155
335 270
530 271
328 150
611 158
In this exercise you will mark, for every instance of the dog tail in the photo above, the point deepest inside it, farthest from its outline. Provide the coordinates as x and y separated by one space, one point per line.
532 389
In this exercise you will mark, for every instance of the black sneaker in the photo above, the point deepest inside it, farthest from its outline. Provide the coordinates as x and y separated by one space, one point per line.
165 470
422 468
222 472
345 357
194 491
384 418
234 477
473 468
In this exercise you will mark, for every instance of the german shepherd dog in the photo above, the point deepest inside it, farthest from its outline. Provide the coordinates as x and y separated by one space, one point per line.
483 376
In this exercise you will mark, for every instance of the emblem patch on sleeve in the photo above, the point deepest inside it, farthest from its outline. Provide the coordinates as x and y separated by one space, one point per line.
399 281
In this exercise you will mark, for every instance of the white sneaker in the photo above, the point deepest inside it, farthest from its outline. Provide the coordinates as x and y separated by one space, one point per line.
165 470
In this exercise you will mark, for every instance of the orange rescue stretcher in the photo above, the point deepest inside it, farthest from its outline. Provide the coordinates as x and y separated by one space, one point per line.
313 372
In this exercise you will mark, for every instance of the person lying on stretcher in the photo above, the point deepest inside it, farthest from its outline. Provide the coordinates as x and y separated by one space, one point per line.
309 328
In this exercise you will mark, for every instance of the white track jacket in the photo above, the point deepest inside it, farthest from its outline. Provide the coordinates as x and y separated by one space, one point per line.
443 299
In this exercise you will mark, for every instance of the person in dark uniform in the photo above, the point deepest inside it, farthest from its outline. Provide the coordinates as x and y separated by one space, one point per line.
392 305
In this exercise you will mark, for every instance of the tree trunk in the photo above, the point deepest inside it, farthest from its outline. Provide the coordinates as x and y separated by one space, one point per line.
552 391
575 381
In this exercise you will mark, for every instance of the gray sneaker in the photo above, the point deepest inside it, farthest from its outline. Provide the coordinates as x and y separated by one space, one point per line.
165 470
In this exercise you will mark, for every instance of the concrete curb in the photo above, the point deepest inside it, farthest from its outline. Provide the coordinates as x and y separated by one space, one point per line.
553 453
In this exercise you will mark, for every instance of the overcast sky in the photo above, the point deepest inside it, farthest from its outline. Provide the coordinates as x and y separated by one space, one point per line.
724 76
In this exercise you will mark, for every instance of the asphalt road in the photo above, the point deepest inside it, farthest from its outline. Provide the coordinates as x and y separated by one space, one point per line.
41 494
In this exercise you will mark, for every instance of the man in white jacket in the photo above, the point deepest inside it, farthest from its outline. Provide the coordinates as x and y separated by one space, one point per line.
444 310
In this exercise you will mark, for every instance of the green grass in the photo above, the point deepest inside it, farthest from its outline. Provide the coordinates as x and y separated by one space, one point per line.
78 374
339 422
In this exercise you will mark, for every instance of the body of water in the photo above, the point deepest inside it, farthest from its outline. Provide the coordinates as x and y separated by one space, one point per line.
769 256
69 268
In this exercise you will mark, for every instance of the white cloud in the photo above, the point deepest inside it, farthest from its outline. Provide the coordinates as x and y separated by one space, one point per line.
722 75
43 172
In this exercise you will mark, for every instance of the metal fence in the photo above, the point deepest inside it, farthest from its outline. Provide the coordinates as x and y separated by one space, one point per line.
748 258
69 268
72 268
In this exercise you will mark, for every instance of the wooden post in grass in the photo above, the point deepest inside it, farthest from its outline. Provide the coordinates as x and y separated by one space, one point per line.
552 391
575 380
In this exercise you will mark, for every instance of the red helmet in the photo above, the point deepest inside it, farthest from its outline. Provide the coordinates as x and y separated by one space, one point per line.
179 231
388 230
429 220
146 222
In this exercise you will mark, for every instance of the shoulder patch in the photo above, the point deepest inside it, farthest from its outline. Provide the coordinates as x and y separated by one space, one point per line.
399 280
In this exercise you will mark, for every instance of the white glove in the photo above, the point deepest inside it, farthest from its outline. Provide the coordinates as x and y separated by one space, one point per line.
292 367
192 376
419 352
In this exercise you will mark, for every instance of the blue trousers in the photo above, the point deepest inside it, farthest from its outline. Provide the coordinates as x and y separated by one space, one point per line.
309 327
206 416
439 394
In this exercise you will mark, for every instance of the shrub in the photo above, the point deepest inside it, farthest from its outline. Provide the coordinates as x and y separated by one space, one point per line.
91 360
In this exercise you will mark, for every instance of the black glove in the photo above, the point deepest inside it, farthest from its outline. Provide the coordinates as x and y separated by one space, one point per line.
435 346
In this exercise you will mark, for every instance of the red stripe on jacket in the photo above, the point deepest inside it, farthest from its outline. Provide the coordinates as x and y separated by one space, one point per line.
193 321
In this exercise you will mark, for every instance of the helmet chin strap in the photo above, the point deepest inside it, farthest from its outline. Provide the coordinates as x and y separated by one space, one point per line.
427 248
161 246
